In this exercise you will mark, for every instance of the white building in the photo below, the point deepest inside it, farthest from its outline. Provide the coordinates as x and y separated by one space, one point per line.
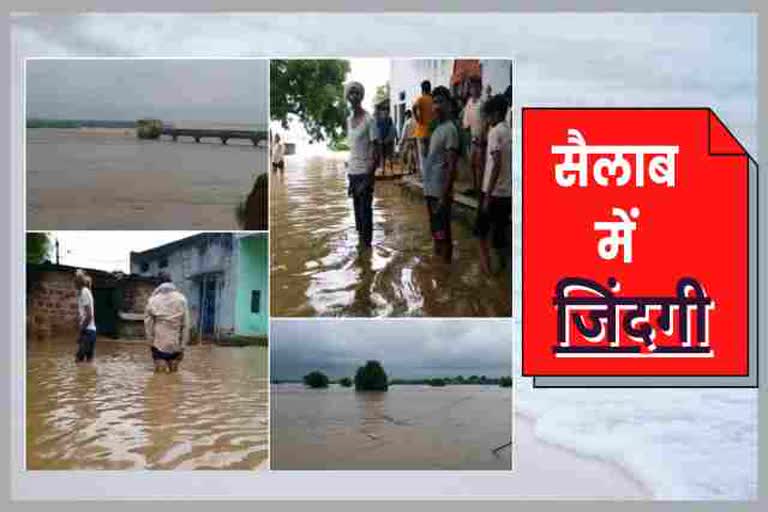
406 76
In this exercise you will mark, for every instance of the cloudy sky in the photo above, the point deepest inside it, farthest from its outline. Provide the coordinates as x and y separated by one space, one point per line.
575 59
226 91
108 250
406 348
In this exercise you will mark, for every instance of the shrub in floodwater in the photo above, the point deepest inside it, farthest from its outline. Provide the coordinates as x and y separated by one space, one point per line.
345 382
436 382
316 379
505 382
371 377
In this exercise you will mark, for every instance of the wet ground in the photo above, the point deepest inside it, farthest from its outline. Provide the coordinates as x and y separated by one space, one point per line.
317 269
407 427
115 413
109 179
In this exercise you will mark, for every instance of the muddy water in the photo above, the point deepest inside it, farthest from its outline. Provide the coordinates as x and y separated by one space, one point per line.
407 427
317 269
115 413
111 180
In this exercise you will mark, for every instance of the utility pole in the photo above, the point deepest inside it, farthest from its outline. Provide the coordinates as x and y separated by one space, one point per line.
57 251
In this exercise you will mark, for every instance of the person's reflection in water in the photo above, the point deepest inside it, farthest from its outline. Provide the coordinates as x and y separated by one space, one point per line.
163 419
372 406
362 303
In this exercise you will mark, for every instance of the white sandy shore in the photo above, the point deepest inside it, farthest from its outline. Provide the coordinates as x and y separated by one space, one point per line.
544 470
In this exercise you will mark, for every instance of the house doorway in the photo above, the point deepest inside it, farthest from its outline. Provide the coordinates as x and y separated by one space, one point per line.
207 320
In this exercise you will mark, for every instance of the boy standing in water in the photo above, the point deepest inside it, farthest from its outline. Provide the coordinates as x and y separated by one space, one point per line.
363 160
495 211
166 323
473 121
440 172
278 152
86 325
423 115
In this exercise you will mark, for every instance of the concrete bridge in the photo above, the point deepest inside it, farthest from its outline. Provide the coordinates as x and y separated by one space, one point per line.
223 135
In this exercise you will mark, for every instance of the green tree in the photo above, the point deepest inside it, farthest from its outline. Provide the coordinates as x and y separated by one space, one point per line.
38 247
316 379
312 90
371 377
505 382
437 382
345 382
382 93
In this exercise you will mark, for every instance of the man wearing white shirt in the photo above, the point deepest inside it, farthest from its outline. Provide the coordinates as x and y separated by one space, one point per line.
86 324
474 122
495 214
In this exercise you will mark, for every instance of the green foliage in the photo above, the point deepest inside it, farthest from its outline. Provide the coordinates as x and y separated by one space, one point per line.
149 128
52 123
316 379
312 90
38 247
382 93
345 382
437 382
505 382
338 145
371 377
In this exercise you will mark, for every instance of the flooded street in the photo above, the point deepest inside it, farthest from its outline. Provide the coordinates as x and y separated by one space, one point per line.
117 414
317 271
109 179
407 427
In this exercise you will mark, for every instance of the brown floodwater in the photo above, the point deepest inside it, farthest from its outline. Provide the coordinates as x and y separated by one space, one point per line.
109 179
116 413
408 427
317 269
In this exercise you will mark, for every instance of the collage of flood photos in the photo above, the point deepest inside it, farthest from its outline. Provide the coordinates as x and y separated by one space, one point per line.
270 265
401 255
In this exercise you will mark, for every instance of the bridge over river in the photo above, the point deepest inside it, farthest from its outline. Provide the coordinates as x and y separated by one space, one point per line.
222 135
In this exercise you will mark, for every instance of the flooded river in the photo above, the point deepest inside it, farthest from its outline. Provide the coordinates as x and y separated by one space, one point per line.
109 179
407 427
317 270
117 414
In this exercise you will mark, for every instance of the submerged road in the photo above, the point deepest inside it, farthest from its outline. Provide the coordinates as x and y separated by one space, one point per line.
317 269
115 413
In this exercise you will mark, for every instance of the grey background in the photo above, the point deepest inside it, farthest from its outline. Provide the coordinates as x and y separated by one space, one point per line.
224 91
407 349
116 485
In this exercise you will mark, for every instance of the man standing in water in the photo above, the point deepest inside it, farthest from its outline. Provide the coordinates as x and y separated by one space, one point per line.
473 121
440 172
278 152
166 322
408 145
363 160
495 214
423 115
86 325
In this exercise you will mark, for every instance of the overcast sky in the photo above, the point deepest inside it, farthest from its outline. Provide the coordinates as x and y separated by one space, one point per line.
561 59
406 348
108 250
227 91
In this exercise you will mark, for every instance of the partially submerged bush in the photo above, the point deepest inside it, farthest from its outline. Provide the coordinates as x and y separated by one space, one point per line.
505 382
345 382
316 379
371 377
437 382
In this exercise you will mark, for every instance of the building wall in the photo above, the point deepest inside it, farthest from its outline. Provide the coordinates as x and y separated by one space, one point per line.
252 276
496 73
51 305
188 265
406 76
